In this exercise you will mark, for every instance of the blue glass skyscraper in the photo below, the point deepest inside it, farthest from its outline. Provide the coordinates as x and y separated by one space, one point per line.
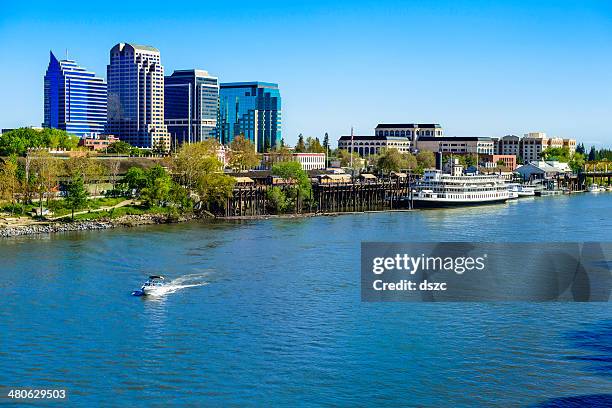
191 104
75 99
252 109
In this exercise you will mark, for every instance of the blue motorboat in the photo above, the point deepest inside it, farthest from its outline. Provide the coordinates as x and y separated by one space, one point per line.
154 283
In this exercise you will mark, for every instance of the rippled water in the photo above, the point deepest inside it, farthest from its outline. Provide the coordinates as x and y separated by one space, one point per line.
278 321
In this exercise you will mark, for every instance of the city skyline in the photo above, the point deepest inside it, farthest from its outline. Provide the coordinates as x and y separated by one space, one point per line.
478 69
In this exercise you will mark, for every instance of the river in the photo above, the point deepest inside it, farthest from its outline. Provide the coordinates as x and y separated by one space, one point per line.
274 316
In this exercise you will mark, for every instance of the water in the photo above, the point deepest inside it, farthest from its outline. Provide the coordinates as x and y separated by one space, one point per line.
276 317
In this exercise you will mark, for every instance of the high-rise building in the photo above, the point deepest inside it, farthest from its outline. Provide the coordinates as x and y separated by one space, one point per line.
136 96
191 100
74 98
252 109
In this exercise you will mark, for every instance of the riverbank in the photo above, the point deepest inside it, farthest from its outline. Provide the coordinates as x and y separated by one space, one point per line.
49 227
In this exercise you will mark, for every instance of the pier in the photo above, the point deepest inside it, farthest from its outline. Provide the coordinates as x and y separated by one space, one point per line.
355 196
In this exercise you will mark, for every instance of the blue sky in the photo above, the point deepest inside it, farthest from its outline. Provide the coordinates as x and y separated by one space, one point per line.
480 68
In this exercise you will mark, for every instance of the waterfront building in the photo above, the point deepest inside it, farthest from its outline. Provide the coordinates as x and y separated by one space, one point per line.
530 147
508 145
251 109
456 145
308 161
191 103
409 130
97 142
534 143
368 145
491 160
136 96
74 98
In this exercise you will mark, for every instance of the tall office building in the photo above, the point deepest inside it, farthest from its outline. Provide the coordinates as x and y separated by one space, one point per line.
252 109
191 100
74 98
136 96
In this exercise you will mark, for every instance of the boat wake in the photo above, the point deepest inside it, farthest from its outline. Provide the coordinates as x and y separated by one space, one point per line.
182 282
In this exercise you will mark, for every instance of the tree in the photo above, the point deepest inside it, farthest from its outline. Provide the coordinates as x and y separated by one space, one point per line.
77 195
326 141
501 163
580 148
9 180
120 147
157 188
345 158
469 160
300 187
19 141
90 170
576 162
426 159
300 147
277 200
561 154
193 160
242 154
201 173
313 145
390 160
592 154
44 171
113 171
135 180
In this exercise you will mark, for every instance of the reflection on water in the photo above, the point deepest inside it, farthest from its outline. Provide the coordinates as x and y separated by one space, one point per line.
276 319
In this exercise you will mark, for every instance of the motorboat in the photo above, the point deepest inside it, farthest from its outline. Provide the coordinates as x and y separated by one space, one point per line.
594 188
153 284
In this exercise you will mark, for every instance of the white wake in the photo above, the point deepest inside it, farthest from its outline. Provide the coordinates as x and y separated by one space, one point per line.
182 282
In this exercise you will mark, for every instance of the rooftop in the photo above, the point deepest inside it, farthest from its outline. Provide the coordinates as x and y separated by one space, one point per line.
407 125
375 138
453 139
249 84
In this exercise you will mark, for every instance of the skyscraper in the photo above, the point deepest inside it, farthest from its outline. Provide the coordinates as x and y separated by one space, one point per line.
252 109
136 96
74 98
191 100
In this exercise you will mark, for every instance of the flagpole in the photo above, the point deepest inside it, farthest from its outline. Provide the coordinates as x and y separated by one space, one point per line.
352 148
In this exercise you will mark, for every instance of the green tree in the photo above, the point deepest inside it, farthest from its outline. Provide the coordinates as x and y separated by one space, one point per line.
345 158
201 173
158 186
242 154
426 159
313 145
277 200
389 160
592 154
120 147
9 180
300 147
326 142
300 188
135 179
76 194
561 154
44 171
576 162
18 141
